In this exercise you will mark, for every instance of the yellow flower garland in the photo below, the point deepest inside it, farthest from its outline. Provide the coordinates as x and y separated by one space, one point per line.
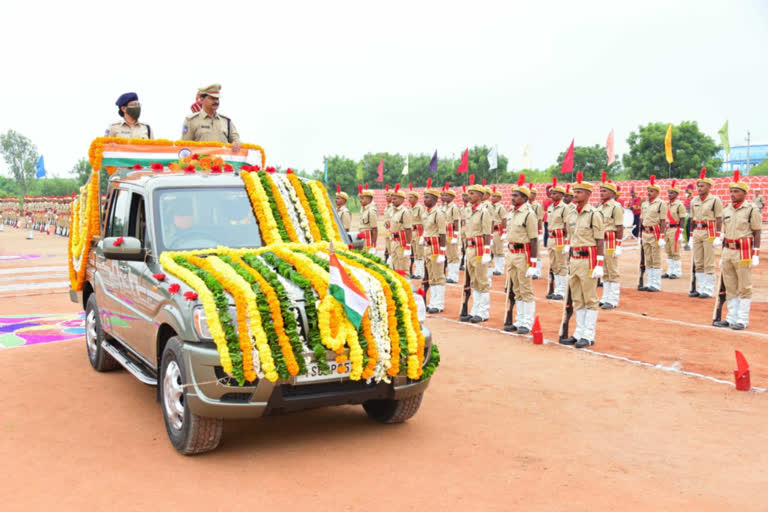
83 232
313 228
287 222
260 203
324 205
205 297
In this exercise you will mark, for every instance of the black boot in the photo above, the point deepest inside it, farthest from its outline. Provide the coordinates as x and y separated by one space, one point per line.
583 343
568 341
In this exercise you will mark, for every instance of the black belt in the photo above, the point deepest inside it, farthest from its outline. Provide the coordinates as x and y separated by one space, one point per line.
579 253
395 236
517 247
673 226
701 225
648 230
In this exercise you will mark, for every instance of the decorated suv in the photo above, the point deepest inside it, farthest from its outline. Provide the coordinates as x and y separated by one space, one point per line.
232 288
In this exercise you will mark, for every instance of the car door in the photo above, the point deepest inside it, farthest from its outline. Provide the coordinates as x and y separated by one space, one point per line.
112 272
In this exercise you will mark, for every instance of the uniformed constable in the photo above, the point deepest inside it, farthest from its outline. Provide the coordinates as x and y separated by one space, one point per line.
585 231
465 210
452 230
129 108
499 228
208 124
758 201
521 244
400 226
653 218
673 235
741 252
707 224
539 210
613 232
387 219
433 237
478 254
369 219
558 247
341 208
417 217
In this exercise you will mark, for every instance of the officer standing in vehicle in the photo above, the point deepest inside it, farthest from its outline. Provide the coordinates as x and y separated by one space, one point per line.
741 252
208 124
129 108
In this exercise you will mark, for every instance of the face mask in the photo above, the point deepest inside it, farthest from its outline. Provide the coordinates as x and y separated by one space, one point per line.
134 112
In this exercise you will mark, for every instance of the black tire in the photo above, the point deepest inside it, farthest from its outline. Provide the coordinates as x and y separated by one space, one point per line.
393 411
188 432
94 335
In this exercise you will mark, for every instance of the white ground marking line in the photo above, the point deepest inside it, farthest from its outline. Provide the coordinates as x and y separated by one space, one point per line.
29 270
628 313
668 369
37 276
33 286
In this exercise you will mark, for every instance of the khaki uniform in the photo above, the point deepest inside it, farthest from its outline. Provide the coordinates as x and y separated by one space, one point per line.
387 233
452 214
478 224
417 217
369 219
675 219
538 210
434 226
499 220
401 220
759 203
652 214
522 227
736 261
346 217
557 213
703 218
585 228
123 129
202 127
613 217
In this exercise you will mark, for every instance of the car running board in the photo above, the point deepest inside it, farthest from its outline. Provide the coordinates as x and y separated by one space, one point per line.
129 364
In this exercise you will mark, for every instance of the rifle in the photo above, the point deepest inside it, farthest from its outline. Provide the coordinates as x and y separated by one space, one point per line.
693 273
717 314
567 313
642 265
508 323
410 269
464 316
551 287
425 279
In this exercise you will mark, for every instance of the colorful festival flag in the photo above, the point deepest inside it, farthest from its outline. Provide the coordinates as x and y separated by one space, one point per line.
493 158
668 144
344 290
433 163
609 148
464 165
568 160
326 171
380 171
40 168
724 138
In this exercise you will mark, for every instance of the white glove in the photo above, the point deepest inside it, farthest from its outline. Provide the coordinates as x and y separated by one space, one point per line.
566 248
541 238
372 250
504 236
755 260
662 242
617 252
597 272
680 236
717 242
422 241
530 272
454 240
485 259
440 258
381 254
690 243
406 253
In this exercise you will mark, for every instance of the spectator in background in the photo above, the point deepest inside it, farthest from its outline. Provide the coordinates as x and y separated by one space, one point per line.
759 202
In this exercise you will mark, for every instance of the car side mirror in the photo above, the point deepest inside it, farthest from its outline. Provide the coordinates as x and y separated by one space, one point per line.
123 248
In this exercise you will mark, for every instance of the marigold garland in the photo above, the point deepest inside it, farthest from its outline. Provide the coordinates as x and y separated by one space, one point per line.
279 205
260 203
298 187
83 227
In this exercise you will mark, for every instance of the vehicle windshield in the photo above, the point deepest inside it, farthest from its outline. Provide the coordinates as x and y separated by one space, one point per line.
199 218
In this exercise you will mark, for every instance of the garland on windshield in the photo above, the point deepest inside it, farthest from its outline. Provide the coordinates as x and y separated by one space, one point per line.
389 333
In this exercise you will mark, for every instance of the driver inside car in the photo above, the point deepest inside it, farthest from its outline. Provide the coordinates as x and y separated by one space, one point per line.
181 213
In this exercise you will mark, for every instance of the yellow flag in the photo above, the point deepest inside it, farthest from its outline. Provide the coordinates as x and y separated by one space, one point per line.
668 144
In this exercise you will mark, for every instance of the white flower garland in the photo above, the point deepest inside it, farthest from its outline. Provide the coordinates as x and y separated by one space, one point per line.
293 207
377 313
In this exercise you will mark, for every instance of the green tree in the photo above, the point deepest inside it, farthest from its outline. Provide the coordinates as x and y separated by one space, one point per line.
21 156
590 160
82 171
691 150
760 169
54 187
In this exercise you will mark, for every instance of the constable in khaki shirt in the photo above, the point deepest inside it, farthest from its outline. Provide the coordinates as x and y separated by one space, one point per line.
558 242
585 231
387 219
341 208
400 226
129 108
653 218
369 219
433 238
478 255
521 244
741 252
208 124
613 232
674 234
452 230
499 228
417 217
539 210
465 211
706 223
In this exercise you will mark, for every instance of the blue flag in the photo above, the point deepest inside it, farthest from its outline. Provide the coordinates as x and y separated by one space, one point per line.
326 171
433 163
40 168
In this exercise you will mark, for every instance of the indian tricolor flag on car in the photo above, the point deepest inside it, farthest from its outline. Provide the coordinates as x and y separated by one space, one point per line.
128 155
343 289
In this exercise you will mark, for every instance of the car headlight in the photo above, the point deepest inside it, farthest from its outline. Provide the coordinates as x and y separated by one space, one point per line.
421 308
201 323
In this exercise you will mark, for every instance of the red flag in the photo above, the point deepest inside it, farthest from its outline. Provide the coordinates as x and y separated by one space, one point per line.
568 160
380 170
609 148
464 165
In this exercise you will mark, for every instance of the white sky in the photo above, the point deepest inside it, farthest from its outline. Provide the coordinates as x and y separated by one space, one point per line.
305 79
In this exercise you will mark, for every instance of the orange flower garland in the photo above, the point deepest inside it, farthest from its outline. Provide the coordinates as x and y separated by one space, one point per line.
260 205
287 222
83 233
296 183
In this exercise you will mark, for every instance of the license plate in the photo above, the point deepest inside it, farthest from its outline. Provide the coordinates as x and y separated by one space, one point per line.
314 374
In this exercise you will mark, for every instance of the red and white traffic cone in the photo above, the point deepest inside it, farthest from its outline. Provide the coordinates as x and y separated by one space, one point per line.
538 336
741 374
